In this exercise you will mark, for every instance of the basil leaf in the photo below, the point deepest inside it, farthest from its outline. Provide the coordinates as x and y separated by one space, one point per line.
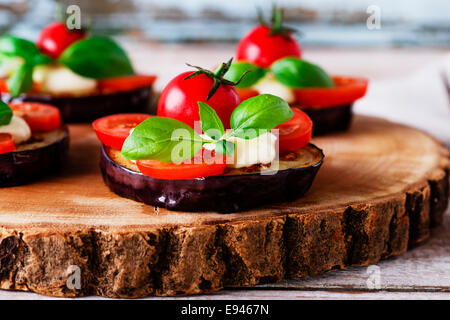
225 147
41 59
298 73
16 47
237 70
97 57
258 115
5 114
211 123
21 81
162 139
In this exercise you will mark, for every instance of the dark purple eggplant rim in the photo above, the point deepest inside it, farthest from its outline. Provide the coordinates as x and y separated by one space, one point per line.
223 194
91 107
25 166
330 119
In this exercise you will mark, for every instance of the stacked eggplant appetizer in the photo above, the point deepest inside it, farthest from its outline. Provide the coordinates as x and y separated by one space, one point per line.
86 77
208 151
33 142
274 57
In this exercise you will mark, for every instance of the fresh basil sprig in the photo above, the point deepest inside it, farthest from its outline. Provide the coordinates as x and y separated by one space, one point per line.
157 139
13 47
298 73
97 57
237 70
170 140
5 114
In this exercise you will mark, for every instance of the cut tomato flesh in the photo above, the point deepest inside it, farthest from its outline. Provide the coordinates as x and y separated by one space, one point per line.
6 143
346 90
296 132
127 83
245 94
204 164
39 116
113 130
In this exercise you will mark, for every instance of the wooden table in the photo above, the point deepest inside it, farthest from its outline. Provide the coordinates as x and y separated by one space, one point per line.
421 273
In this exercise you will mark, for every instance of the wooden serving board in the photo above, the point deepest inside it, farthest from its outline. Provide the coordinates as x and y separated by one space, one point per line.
380 190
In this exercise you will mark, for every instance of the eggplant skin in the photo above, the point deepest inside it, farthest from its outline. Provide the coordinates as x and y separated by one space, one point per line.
223 194
91 107
24 166
330 119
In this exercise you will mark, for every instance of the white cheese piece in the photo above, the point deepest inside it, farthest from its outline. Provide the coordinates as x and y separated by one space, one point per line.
253 151
18 128
269 85
59 79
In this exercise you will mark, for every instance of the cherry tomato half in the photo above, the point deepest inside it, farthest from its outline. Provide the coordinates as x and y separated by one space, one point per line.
55 38
296 132
127 83
6 143
261 48
39 116
180 97
346 90
205 163
113 130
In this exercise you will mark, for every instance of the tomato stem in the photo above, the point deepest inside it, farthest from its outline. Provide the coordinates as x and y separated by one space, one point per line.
217 76
276 22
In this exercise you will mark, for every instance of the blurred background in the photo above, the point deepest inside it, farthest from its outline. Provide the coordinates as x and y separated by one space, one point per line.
322 22
402 46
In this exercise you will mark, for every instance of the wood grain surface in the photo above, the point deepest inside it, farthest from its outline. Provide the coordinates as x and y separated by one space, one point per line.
380 190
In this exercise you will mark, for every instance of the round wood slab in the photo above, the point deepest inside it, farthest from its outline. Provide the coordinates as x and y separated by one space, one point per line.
380 190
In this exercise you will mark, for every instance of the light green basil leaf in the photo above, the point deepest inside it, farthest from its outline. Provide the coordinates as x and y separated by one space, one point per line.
162 139
238 69
16 47
211 123
21 81
298 73
5 114
97 57
258 115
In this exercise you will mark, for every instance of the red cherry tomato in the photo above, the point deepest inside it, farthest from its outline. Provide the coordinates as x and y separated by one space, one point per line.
55 38
296 132
6 143
345 91
204 164
179 99
262 49
113 130
127 83
39 116
245 94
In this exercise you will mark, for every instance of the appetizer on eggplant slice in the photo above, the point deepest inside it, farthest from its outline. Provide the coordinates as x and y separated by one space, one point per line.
33 143
273 57
205 151
86 77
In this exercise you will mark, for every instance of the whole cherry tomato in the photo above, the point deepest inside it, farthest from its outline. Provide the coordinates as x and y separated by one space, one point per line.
262 48
179 99
55 38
